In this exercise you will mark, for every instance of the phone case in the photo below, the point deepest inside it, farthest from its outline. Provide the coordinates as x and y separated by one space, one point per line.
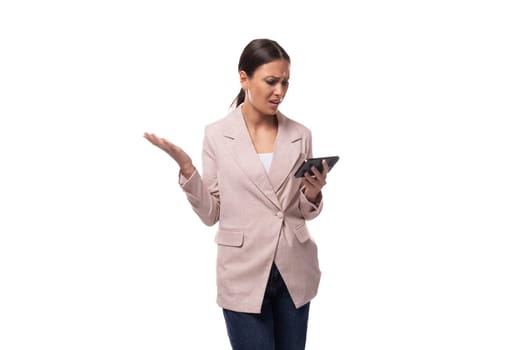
317 162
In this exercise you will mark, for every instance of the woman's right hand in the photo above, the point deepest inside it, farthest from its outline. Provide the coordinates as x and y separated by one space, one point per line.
175 152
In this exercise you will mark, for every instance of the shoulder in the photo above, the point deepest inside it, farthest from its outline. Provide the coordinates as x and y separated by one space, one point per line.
219 126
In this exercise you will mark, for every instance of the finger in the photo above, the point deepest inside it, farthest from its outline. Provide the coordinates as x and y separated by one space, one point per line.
325 168
318 176
152 138
315 171
306 182
148 136
170 145
163 144
160 142
317 183
309 180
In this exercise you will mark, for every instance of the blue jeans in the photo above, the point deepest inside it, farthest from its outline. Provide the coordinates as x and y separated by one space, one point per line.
279 326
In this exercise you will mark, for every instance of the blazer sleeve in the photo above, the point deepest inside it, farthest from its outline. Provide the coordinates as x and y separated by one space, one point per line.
203 191
308 209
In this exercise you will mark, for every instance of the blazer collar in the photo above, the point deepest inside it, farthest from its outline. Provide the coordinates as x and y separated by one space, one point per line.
286 154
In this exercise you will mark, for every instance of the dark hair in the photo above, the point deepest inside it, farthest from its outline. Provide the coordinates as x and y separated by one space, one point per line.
255 54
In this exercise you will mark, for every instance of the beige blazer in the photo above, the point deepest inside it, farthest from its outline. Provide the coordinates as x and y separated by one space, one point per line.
261 215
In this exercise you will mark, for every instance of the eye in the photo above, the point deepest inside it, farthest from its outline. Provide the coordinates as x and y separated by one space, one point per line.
271 82
285 83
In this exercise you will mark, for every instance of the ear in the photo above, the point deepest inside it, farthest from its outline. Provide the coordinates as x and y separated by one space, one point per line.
243 77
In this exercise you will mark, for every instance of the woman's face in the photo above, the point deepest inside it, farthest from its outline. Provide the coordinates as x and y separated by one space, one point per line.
266 89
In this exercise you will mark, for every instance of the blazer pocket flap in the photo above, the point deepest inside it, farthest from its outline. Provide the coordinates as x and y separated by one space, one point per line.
301 232
231 238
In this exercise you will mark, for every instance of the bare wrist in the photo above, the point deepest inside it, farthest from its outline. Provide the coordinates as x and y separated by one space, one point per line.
187 171
313 199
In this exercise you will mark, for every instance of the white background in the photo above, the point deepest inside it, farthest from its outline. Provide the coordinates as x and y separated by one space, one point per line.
421 238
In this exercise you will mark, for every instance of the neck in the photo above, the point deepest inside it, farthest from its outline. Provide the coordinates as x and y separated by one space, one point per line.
256 120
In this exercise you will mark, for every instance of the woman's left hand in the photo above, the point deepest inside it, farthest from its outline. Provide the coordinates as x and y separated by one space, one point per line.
314 184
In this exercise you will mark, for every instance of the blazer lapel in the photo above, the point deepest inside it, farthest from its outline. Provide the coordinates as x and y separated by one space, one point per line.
286 154
241 148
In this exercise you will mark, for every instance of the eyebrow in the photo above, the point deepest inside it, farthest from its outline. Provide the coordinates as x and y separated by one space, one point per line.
275 77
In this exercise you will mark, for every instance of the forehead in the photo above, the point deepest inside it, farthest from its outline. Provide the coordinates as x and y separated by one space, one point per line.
277 68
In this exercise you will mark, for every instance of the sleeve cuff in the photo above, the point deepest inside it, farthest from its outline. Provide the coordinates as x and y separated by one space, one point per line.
183 180
314 205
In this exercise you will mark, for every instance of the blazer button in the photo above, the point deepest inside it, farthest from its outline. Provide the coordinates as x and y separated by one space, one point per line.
280 215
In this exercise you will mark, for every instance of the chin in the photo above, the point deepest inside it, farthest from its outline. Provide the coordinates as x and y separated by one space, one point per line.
265 110
273 111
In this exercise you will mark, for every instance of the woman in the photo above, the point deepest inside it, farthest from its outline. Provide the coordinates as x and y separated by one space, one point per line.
267 267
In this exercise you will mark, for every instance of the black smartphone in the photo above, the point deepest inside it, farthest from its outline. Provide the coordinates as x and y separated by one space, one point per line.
316 162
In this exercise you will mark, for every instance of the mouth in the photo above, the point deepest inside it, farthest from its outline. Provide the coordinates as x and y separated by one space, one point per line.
275 103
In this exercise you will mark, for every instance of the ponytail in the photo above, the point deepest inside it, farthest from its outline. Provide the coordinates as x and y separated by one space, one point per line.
239 99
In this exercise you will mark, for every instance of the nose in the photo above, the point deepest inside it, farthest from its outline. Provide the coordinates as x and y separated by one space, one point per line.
279 91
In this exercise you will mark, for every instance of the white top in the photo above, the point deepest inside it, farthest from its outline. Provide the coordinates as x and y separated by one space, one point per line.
266 159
